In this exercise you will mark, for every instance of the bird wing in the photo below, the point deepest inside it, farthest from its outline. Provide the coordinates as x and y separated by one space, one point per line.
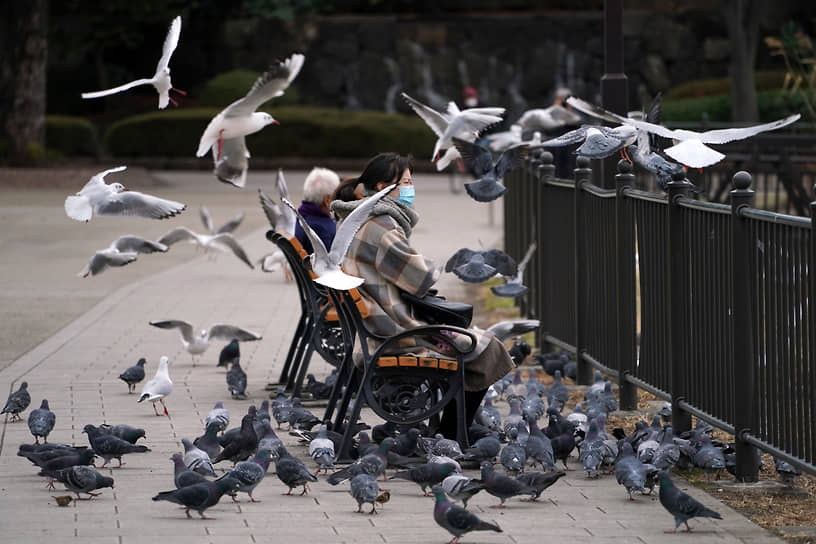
140 204
694 153
470 122
510 159
231 225
229 240
459 258
289 219
725 135
231 167
599 143
97 181
119 89
437 121
478 159
596 111
272 83
105 259
568 138
527 256
352 223
206 219
319 249
501 261
178 234
170 43
271 209
137 244
228 332
184 328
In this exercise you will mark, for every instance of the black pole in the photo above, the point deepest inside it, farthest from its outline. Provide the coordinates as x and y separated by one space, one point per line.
625 286
583 173
614 84
742 335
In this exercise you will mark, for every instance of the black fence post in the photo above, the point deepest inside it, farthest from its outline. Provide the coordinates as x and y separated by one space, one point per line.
678 285
742 335
582 173
625 295
546 171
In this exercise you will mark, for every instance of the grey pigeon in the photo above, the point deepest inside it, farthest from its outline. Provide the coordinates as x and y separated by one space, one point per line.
514 285
787 472
364 489
17 402
709 458
81 479
631 473
479 266
426 475
208 442
218 417
250 473
199 497
237 381
461 488
488 415
242 445
557 394
406 443
539 448
40 453
70 459
229 354
680 505
667 453
455 519
513 457
270 442
125 432
281 408
479 162
108 446
373 463
321 449
183 476
262 415
501 486
597 386
133 375
293 473
301 418
318 390
197 459
484 449
447 447
41 422
539 481
514 417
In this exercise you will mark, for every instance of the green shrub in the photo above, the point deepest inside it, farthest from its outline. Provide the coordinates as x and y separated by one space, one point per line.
772 105
303 132
70 136
766 80
228 87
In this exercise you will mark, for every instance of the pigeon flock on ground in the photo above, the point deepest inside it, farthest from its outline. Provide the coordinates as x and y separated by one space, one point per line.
515 455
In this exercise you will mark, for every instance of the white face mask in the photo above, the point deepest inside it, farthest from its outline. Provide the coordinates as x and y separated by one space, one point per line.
471 102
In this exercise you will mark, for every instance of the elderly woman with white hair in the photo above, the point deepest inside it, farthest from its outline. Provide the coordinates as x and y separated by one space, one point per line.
317 195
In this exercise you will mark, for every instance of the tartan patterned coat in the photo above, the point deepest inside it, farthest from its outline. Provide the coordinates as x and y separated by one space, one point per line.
380 253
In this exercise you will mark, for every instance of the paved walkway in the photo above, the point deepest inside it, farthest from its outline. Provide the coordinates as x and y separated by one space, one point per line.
76 369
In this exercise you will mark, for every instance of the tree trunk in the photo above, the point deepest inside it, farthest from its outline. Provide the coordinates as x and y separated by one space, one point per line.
742 19
23 70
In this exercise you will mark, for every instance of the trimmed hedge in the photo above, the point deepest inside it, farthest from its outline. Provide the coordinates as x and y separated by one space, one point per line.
303 131
70 136
228 87
772 105
766 80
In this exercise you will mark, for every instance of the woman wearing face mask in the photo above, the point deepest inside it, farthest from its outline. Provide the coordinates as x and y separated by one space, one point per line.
381 254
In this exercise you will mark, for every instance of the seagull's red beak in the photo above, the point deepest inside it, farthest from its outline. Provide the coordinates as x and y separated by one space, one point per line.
125 188
275 122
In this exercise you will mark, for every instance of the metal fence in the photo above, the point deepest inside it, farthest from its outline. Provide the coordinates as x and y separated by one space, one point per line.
700 303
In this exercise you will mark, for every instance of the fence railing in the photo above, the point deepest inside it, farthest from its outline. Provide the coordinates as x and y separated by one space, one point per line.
703 304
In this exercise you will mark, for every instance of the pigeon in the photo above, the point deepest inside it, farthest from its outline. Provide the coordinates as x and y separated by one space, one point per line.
183 476
108 446
630 472
479 162
663 170
293 473
218 417
242 445
321 449
596 388
270 441
133 375
709 458
692 149
39 454
668 453
489 416
222 241
159 387
465 124
426 475
237 381
373 463
127 433
513 327
81 479
539 481
197 459
197 343
41 422
364 489
787 472
229 226
484 449
514 285
513 456
229 353
208 442
326 263
281 408
665 412
199 497
680 505
516 390
478 266
161 79
446 447
121 252
17 402
318 390
115 199
547 119
599 142
249 474
456 519
539 448
514 417
70 459
557 394
501 486
226 132
461 488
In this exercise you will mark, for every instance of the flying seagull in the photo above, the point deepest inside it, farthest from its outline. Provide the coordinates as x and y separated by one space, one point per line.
197 343
229 226
122 251
115 199
161 79
226 132
282 219
326 264
221 242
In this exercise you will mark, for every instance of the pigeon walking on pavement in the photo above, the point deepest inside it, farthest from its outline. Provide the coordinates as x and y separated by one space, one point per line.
501 486
218 417
133 375
461 488
208 442
17 402
426 475
229 354
41 422
159 387
197 459
125 432
364 489
321 449
183 476
108 446
199 497
237 381
455 519
242 445
539 481
81 479
250 473
293 473
680 505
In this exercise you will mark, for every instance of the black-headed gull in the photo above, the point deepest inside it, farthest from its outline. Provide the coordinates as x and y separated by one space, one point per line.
115 199
122 251
479 162
197 343
598 142
229 226
326 264
221 242
514 287
282 219
159 387
547 119
465 125
226 132
691 150
161 79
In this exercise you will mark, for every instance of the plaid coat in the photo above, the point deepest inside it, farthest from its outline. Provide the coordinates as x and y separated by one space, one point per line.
381 255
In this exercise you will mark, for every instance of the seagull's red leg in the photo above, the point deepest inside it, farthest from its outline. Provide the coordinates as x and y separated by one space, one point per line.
165 407
460 164
170 98
154 409
220 143
184 93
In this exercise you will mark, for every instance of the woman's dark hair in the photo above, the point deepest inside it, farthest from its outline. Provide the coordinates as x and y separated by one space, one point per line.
384 167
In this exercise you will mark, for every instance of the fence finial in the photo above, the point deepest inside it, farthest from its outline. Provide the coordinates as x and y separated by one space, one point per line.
742 180
624 167
582 161
546 157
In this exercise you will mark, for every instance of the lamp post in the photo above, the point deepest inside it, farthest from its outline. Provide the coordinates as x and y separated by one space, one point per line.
614 84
